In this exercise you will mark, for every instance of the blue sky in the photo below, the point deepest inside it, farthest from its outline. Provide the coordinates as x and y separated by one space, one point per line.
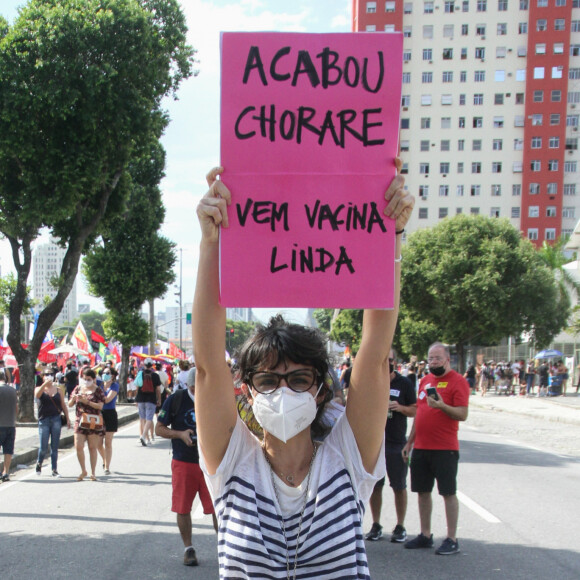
192 139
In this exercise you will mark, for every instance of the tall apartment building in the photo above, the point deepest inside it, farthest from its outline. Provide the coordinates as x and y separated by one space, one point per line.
46 263
490 108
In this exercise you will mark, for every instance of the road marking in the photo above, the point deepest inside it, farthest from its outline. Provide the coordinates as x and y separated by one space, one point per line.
475 507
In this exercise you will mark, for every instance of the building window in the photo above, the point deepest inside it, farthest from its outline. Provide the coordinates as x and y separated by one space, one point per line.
534 188
428 8
523 4
461 145
479 76
552 189
478 99
444 168
447 54
559 24
572 120
558 48
477 122
463 55
498 99
427 31
447 76
517 167
550 234
569 189
536 165
538 96
445 145
536 142
463 76
496 167
371 7
574 73
541 25
575 25
554 118
557 72
480 52
497 144
443 191
502 5
515 212
482 5
494 212
460 167
520 98
516 189
406 78
551 211
475 190
462 99
464 29
465 6
445 122
534 211
425 100
427 77
572 143
539 72
424 146
448 30
574 97
408 8
500 51
423 213
575 50
501 28
404 145
474 211
459 190
405 123
537 119
423 191
498 122
522 29
405 100
569 212
449 6
424 168
443 212
521 74
541 48
496 190
389 6
476 145
407 31
553 165
427 54
371 27
532 234
425 122
554 142
476 167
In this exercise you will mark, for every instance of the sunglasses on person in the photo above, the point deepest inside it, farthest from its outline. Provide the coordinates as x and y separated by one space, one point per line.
267 382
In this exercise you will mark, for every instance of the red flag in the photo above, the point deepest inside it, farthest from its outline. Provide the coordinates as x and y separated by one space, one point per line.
96 337
44 355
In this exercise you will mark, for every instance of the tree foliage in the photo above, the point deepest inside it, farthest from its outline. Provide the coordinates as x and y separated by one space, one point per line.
474 280
242 331
81 86
342 326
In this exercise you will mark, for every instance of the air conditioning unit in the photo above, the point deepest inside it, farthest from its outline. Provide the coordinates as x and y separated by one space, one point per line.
570 151
572 106
510 75
574 128
483 60
445 175
430 62
405 108
510 49
406 62
483 38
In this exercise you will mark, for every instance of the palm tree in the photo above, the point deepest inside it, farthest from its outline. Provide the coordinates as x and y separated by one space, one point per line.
555 259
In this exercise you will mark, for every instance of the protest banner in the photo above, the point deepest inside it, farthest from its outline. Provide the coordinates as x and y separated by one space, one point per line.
309 132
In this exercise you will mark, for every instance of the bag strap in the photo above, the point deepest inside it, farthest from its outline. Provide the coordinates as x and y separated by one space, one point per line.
52 401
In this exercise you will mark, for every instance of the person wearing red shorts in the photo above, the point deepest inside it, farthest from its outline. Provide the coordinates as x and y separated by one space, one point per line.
176 421
442 401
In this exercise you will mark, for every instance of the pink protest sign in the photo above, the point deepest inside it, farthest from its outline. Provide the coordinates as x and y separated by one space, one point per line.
309 131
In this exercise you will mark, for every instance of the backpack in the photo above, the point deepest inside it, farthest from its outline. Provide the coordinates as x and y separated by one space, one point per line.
147 382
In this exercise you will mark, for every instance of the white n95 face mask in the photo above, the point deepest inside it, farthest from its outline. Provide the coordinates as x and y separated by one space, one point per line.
285 413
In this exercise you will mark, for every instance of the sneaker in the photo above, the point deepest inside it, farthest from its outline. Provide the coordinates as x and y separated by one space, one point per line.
399 534
107 472
448 547
420 541
5 477
38 469
143 442
55 473
375 534
189 557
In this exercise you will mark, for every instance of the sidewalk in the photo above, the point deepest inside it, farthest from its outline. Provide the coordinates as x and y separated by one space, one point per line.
565 409
27 440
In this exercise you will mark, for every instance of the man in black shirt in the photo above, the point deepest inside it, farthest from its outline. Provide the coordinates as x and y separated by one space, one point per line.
403 404
186 475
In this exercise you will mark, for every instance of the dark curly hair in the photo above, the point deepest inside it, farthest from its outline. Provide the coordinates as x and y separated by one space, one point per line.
280 342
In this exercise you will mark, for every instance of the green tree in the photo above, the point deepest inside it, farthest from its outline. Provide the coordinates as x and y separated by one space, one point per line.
555 259
81 86
242 331
342 326
474 280
132 263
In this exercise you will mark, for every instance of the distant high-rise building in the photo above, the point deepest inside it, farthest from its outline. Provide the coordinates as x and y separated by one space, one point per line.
46 264
239 314
490 108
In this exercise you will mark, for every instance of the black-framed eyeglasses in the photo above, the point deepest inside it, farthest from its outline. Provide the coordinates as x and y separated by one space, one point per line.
266 382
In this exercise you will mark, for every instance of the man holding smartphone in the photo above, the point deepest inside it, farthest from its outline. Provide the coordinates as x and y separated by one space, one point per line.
442 401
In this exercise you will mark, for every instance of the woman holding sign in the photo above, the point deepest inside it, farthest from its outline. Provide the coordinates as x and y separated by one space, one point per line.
288 507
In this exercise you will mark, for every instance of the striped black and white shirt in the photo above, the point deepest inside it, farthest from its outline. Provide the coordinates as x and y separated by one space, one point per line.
250 539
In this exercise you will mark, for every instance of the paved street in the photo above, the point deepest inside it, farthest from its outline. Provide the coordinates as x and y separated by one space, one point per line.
518 512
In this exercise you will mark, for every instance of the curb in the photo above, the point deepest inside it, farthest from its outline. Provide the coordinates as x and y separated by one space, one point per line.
530 413
30 454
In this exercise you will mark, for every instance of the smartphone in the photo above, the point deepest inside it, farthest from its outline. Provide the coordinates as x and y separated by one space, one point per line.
432 392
